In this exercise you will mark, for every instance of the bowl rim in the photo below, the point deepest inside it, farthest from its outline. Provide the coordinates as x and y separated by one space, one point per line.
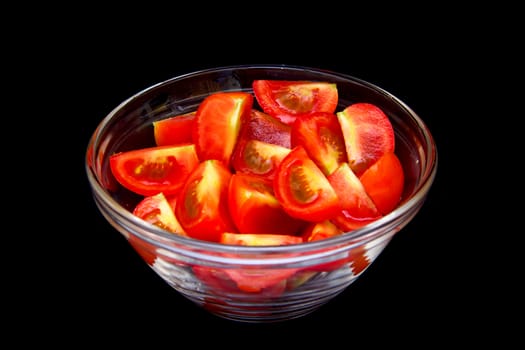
355 237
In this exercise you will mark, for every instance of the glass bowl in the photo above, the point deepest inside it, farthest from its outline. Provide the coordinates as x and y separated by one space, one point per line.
314 272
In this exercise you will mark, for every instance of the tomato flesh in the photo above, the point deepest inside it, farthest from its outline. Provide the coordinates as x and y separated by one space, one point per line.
254 208
149 171
288 100
321 136
217 124
303 189
174 130
202 205
384 182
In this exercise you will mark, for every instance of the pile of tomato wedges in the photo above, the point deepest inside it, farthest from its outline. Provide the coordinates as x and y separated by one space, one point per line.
277 166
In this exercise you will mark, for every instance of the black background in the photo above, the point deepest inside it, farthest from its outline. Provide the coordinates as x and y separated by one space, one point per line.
95 289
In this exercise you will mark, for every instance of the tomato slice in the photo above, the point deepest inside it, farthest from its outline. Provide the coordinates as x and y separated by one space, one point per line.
174 130
159 211
217 124
368 134
358 209
320 230
202 205
288 100
263 127
303 190
254 208
148 171
384 182
258 157
321 136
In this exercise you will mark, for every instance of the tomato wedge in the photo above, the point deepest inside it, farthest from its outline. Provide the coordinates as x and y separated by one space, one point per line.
217 124
368 134
174 130
288 100
384 182
148 171
258 157
159 211
303 190
202 205
358 209
254 208
321 136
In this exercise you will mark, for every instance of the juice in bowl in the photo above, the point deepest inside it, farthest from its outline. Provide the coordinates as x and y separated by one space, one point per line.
214 260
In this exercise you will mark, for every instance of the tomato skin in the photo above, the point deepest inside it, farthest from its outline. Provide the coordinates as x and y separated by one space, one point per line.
384 182
174 130
159 210
218 122
264 127
303 190
288 100
368 134
254 208
358 209
202 204
148 171
321 136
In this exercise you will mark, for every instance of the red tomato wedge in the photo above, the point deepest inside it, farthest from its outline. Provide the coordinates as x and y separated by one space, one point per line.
217 124
202 205
288 100
358 209
264 127
320 230
174 130
303 190
254 208
384 182
368 134
148 171
321 136
257 157
159 211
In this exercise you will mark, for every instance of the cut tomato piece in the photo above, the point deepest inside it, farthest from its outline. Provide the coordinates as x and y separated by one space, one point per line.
174 130
384 182
320 230
288 100
321 136
303 190
159 211
263 127
202 205
218 122
368 134
254 208
259 239
148 171
358 209
258 157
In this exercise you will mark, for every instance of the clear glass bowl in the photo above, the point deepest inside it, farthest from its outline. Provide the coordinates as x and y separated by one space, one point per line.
316 271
